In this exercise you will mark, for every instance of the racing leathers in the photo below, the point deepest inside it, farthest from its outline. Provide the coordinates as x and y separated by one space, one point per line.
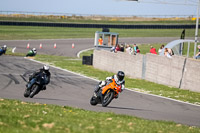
31 53
33 78
4 49
109 79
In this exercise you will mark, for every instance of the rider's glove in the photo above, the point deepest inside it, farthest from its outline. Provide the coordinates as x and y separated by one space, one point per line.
108 78
123 87
30 77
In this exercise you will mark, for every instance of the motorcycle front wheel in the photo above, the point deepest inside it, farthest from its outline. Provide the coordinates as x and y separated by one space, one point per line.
34 90
26 93
108 97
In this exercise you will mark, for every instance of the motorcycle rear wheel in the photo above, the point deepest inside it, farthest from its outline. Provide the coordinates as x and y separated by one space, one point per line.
35 89
107 98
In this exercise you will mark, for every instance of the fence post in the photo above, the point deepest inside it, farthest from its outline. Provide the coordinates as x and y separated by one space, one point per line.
143 66
183 70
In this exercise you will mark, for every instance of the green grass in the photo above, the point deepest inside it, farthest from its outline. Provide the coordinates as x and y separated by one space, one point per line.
34 32
30 32
20 117
9 52
86 53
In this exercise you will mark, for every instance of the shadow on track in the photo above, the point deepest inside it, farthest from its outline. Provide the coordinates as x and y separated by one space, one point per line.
123 108
50 99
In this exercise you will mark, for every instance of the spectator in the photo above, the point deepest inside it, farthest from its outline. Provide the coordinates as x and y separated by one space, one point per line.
112 49
122 48
129 49
100 40
160 49
117 48
135 49
153 50
170 51
138 51
198 54
166 53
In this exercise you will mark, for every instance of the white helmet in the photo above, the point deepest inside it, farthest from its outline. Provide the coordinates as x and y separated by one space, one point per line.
34 49
4 46
46 68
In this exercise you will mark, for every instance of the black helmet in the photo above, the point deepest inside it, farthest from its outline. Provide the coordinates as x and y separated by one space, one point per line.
120 75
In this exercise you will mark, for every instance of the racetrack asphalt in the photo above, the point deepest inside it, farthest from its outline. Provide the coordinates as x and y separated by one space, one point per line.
64 46
74 90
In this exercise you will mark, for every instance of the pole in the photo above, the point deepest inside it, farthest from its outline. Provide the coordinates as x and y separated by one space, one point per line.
188 50
196 31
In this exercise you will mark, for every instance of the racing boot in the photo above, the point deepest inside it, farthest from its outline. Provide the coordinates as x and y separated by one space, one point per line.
30 83
27 90
117 96
98 87
44 88
96 90
28 86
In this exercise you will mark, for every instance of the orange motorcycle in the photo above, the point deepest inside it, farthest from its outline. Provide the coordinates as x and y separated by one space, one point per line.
106 94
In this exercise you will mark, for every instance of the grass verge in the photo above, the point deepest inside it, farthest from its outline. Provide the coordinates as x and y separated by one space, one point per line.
42 118
34 32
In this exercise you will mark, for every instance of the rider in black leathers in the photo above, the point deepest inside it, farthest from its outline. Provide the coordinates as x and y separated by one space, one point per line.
47 75
3 50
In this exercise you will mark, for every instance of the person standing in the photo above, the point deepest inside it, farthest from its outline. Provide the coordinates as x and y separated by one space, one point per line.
122 47
100 41
160 49
129 49
135 49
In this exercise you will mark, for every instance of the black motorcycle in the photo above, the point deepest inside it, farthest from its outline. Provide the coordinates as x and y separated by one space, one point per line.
37 85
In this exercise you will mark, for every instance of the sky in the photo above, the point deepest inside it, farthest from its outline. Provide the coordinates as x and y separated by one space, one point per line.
103 7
